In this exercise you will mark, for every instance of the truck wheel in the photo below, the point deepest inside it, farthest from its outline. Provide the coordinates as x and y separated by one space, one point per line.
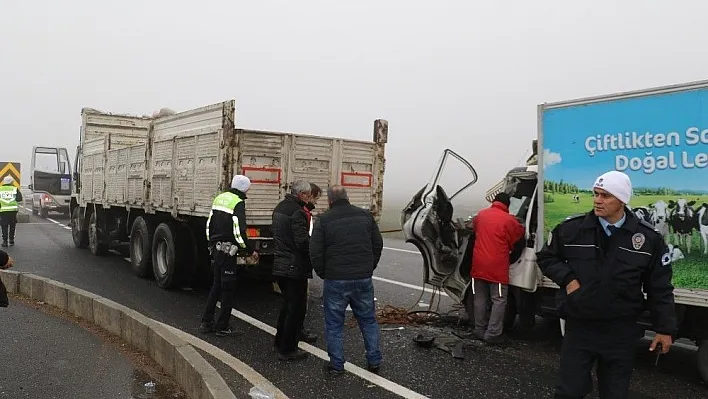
140 246
95 245
78 232
702 360
164 255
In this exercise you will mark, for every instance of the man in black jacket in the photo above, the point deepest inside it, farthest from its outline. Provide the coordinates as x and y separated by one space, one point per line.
345 248
292 269
226 234
601 260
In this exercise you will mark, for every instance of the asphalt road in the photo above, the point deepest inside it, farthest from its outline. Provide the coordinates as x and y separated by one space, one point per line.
524 369
46 356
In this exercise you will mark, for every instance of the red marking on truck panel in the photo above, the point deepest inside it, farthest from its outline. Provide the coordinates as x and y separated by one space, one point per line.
262 175
356 179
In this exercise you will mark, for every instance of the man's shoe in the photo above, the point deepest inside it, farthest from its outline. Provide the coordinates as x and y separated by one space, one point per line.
498 340
227 332
374 368
298 354
332 372
4 244
307 336
12 243
206 328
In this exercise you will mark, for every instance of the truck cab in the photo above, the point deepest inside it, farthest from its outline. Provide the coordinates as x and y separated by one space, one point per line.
50 180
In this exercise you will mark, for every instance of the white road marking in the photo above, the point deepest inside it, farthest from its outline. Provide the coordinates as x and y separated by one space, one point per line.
415 287
237 365
402 250
54 221
358 371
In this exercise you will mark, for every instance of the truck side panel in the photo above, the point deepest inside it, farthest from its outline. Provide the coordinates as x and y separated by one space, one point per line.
613 132
312 158
161 175
263 157
356 172
137 174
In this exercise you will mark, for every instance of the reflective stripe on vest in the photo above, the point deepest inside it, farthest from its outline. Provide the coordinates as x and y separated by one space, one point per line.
8 199
226 202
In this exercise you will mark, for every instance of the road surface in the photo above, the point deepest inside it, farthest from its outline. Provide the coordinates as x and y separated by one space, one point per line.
524 369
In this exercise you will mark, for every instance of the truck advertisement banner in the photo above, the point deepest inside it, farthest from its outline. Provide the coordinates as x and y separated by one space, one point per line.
661 141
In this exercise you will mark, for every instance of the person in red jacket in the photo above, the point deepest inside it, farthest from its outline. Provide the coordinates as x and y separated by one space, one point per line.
496 232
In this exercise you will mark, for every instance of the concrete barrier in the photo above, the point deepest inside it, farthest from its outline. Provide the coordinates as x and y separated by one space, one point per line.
198 378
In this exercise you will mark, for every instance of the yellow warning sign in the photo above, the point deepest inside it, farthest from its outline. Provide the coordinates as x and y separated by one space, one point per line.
10 169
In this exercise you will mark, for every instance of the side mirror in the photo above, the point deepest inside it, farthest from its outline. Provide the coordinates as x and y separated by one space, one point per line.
30 186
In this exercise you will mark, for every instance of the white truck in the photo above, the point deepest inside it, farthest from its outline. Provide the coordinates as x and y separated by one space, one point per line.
150 182
50 181
656 136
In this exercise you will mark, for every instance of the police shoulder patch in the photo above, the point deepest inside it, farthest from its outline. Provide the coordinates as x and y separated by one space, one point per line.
666 259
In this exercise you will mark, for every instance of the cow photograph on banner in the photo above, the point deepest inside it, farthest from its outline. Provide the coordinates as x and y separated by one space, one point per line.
665 153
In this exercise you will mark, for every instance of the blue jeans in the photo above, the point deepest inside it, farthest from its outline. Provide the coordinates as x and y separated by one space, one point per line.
359 294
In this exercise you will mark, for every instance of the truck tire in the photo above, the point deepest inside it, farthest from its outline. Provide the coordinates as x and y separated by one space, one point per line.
95 245
141 246
78 230
164 255
702 360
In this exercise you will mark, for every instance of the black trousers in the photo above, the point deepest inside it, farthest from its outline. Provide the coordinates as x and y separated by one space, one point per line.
611 344
223 289
292 313
8 221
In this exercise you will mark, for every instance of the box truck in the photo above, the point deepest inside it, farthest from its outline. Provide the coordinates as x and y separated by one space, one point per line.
658 136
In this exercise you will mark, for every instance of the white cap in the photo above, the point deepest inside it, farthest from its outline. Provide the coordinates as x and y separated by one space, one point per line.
241 183
617 184
7 180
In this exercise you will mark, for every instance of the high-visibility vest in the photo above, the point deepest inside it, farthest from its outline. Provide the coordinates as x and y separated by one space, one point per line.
226 202
8 199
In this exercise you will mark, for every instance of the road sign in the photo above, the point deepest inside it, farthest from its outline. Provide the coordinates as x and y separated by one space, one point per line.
10 169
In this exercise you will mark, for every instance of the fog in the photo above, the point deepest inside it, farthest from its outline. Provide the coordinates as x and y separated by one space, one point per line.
463 75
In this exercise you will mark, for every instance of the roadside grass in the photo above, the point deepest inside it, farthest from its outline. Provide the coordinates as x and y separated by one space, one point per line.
691 272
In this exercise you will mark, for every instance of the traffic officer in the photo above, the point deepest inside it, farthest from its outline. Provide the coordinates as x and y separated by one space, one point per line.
226 234
10 197
602 260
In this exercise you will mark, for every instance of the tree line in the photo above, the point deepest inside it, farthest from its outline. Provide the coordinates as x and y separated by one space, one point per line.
562 187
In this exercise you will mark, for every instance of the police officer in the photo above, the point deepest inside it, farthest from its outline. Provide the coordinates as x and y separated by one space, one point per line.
602 260
10 197
226 234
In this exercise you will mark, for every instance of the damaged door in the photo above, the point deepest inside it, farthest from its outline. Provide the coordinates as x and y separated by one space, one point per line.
427 222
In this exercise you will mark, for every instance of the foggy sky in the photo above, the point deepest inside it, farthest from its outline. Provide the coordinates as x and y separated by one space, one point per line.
465 75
